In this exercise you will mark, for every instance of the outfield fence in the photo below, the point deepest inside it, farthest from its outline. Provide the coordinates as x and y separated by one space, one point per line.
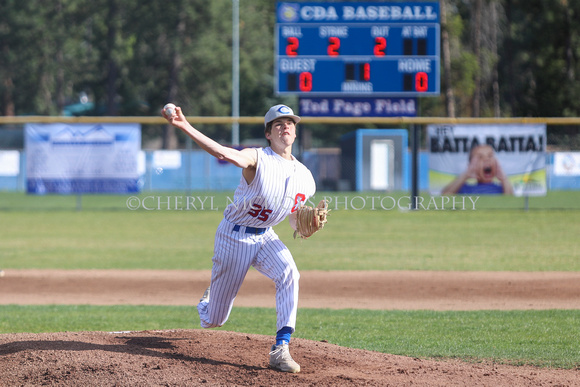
192 170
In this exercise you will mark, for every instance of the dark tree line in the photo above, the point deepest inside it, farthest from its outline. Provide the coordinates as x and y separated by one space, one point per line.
499 58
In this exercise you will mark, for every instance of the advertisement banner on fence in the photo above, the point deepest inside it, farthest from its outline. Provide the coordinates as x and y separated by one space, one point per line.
82 158
567 163
487 159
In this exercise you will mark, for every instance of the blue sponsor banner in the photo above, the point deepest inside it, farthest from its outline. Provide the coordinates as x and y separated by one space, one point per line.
358 107
82 158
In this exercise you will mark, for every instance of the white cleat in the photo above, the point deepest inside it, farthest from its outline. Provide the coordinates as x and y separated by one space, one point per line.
205 296
281 360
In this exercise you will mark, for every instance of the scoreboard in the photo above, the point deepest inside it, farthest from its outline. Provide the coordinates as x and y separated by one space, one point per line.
357 49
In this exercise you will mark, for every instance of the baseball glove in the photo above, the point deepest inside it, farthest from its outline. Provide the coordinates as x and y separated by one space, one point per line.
310 220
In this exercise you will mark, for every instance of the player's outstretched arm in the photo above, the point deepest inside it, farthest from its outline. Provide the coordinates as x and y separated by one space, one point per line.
245 158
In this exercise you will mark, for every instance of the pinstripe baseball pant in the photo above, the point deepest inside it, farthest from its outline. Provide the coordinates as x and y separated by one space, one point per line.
235 250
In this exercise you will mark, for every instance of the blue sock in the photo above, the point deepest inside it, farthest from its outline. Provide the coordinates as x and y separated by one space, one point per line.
283 336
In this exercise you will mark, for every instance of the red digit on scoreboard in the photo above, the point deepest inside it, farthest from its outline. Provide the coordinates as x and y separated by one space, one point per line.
380 46
305 81
421 81
292 46
333 46
367 72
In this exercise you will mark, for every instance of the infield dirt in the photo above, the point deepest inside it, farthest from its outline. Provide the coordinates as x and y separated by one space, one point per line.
191 357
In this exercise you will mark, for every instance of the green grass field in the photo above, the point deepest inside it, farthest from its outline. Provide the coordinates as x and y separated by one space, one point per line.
498 235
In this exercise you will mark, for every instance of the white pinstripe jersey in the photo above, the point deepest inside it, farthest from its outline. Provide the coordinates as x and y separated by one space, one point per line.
278 186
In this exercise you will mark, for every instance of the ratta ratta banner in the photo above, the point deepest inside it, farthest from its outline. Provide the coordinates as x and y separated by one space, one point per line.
487 159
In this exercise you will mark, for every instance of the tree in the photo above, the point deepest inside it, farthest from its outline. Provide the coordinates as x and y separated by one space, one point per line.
500 57
446 53
476 46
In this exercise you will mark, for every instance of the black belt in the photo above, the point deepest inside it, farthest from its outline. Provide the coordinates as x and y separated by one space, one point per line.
251 230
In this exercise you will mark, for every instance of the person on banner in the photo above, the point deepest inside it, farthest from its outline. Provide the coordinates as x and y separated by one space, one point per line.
485 169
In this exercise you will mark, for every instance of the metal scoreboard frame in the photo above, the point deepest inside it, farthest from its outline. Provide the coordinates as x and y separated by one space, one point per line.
357 49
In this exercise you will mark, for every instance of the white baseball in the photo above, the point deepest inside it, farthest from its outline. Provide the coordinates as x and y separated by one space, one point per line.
169 109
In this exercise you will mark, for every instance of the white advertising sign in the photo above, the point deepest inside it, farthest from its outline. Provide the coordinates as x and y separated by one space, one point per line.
567 163
82 158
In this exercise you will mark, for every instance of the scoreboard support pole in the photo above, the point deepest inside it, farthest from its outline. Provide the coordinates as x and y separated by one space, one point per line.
416 129
235 71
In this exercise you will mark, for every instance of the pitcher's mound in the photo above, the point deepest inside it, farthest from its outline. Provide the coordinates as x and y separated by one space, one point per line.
210 358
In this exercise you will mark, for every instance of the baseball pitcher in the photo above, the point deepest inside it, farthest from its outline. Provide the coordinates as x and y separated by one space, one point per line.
274 186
